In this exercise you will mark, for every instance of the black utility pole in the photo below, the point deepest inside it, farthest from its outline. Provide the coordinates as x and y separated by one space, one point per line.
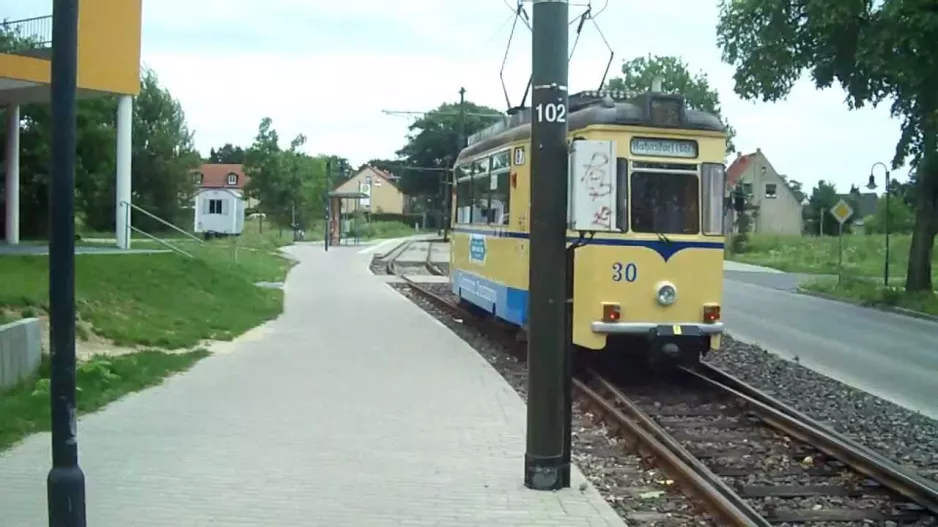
325 240
544 465
66 482
452 175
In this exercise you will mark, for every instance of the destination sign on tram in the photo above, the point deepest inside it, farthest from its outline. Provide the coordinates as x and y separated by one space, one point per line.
646 146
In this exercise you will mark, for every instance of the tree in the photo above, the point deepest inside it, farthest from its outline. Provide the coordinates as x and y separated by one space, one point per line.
388 165
287 183
901 217
816 215
262 165
640 72
341 170
876 51
162 155
227 153
433 143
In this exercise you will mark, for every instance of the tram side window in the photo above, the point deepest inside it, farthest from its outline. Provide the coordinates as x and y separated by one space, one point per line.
463 197
622 182
501 195
665 203
480 198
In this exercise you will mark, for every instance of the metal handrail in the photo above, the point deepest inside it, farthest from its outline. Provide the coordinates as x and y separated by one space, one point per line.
37 31
164 242
161 220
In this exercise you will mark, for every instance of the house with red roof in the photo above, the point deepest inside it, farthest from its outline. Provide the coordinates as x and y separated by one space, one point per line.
775 208
219 203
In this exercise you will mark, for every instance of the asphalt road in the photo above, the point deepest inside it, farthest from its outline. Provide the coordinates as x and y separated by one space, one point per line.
892 356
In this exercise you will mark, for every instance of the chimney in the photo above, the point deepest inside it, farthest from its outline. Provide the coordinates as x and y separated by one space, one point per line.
739 155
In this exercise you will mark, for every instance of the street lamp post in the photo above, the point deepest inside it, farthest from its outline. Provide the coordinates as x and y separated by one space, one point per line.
872 186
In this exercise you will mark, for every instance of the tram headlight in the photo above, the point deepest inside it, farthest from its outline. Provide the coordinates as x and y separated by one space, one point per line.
667 293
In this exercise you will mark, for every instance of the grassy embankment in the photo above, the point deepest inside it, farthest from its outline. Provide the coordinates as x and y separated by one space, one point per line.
863 260
144 316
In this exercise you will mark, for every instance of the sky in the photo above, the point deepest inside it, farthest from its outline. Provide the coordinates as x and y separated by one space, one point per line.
329 69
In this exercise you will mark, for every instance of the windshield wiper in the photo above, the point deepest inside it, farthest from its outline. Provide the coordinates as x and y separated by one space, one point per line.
663 238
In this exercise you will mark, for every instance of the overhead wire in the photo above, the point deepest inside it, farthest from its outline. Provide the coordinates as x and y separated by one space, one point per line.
519 12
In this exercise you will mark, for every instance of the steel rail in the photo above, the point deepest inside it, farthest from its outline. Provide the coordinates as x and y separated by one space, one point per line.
696 479
796 424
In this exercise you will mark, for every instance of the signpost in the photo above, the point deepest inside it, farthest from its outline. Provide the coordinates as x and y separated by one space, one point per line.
841 212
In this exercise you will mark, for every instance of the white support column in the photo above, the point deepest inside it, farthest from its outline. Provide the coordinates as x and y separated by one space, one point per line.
12 191
122 188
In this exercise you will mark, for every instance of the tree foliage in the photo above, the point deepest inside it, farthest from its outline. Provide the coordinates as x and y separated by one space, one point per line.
341 170
227 154
288 183
162 155
388 165
901 217
816 216
640 72
876 51
433 142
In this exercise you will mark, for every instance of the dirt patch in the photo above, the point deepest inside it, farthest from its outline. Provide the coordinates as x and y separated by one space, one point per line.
89 344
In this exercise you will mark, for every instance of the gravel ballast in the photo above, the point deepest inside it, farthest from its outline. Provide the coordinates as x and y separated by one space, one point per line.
640 494
906 437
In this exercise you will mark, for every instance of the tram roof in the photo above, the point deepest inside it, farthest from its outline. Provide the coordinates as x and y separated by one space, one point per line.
598 108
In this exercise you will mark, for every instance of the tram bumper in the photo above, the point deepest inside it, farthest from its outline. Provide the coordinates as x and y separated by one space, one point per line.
670 339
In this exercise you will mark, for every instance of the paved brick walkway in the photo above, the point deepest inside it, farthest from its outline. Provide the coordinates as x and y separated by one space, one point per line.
352 409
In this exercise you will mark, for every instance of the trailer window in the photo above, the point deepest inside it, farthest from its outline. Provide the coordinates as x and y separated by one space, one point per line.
665 203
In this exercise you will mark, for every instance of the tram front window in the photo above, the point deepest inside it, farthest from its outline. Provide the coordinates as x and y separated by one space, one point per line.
665 203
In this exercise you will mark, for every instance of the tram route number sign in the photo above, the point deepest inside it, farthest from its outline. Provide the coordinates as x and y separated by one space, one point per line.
842 211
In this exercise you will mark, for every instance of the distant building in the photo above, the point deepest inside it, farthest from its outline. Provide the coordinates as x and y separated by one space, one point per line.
219 204
776 208
381 186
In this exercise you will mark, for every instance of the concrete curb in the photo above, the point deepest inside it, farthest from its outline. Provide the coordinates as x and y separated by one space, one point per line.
880 307
20 351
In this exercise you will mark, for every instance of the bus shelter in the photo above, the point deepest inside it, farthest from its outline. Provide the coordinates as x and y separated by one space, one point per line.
345 212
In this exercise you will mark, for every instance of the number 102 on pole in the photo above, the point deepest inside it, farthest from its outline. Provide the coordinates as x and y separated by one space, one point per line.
552 112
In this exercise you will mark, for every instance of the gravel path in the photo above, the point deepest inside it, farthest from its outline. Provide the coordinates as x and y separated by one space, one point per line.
906 437
639 493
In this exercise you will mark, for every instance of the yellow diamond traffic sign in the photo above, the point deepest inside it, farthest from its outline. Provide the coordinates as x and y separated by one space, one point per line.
842 211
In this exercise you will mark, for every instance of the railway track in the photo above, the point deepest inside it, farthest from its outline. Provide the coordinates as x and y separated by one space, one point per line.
389 263
747 458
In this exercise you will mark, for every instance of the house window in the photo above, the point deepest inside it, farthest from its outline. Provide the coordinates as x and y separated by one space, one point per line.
232 179
199 178
771 190
214 206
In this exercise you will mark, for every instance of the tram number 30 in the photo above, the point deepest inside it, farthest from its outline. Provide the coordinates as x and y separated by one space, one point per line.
551 112
627 272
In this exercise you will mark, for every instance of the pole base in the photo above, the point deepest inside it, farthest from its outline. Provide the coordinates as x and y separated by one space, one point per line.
546 473
66 494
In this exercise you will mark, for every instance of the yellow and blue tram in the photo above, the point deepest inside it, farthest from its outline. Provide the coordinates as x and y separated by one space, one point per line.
658 277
